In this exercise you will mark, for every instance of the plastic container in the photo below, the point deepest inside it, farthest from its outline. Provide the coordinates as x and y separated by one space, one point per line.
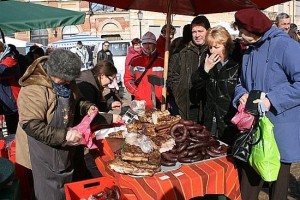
83 189
3 150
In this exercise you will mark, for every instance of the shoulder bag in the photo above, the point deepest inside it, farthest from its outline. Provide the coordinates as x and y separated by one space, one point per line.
138 81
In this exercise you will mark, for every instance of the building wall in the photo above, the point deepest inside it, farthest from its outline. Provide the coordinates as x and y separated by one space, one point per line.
126 23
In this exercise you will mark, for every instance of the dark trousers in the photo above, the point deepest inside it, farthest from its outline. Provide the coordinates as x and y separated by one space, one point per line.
251 183
12 122
84 164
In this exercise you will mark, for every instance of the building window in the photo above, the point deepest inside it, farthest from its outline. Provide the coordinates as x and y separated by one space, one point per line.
99 7
178 32
69 31
39 36
155 30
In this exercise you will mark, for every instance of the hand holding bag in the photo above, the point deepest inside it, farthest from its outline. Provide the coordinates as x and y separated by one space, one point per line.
85 129
242 119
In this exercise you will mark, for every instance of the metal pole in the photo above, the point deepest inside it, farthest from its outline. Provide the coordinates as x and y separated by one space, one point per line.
140 29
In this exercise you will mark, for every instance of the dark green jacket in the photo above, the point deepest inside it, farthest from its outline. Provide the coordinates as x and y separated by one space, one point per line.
181 67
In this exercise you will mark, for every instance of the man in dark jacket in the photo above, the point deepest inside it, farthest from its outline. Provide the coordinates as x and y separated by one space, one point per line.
181 67
105 53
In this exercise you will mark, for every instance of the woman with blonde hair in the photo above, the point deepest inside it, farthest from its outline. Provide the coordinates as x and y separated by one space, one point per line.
218 75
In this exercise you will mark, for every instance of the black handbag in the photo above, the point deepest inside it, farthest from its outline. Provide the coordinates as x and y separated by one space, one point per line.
242 146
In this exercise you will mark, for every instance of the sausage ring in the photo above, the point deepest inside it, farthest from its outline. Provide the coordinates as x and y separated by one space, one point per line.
193 152
197 157
183 154
212 154
219 150
196 127
186 122
185 160
195 140
179 139
169 156
167 163
182 147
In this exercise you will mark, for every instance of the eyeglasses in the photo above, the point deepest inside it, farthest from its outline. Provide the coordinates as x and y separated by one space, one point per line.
110 79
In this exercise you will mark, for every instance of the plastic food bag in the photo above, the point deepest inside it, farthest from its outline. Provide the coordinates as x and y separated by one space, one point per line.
85 129
265 156
242 119
138 107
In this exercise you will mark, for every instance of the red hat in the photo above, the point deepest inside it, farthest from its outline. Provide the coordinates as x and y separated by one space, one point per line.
253 20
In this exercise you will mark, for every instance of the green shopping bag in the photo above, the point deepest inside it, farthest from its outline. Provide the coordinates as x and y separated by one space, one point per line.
265 156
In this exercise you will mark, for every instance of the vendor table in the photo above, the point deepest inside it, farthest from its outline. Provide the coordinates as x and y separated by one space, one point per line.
214 176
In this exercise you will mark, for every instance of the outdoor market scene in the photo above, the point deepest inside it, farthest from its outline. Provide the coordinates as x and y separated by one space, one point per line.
149 100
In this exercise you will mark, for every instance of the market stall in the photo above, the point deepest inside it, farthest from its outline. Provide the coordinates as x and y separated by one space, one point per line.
183 179
214 176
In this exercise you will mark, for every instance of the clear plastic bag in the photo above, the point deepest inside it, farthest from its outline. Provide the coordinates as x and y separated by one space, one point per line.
138 106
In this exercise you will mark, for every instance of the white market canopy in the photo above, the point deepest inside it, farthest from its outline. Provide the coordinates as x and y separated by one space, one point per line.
70 42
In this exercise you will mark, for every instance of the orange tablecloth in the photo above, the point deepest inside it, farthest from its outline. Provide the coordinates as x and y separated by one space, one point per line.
216 176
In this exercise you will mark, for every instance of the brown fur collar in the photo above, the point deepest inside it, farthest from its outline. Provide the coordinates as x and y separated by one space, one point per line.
35 74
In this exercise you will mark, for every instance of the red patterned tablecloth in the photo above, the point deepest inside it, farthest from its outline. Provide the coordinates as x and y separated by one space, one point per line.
215 176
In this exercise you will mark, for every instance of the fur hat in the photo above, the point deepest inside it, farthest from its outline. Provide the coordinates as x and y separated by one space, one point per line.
253 20
63 64
149 38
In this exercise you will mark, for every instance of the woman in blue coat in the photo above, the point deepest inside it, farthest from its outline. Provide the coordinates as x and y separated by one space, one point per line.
271 64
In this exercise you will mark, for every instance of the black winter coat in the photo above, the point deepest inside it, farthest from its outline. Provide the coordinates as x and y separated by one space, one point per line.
220 86
105 55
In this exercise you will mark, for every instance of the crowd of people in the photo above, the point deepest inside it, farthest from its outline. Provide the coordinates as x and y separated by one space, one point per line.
44 95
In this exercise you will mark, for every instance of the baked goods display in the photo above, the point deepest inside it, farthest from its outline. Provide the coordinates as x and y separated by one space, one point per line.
118 134
135 159
158 138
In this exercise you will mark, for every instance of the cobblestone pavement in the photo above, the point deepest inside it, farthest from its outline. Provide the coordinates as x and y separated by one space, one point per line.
294 186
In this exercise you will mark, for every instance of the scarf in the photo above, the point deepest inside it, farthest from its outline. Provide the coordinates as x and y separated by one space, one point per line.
62 90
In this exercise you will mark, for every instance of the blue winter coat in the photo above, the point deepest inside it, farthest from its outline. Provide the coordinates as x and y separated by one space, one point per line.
272 65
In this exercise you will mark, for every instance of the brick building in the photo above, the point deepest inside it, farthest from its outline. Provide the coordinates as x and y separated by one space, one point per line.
115 24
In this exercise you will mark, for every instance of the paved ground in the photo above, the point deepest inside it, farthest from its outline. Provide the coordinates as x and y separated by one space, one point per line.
294 187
